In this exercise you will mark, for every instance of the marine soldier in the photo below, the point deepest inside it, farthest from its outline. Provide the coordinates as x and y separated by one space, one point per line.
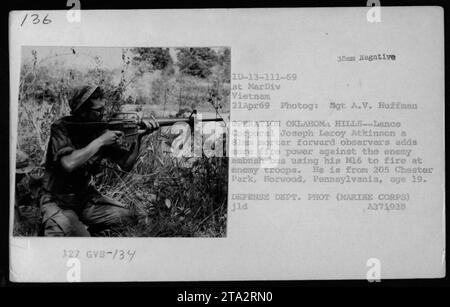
71 205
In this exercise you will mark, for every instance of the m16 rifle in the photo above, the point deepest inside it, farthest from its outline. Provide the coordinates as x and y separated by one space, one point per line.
130 122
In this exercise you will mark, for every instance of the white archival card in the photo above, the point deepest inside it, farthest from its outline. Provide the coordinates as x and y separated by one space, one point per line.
334 123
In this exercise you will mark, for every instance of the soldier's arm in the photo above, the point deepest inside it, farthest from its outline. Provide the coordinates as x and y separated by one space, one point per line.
127 162
80 156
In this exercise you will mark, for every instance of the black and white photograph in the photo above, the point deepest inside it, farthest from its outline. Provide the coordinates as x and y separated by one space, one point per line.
122 142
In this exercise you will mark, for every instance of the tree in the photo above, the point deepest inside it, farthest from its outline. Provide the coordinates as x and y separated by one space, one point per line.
196 61
225 63
154 58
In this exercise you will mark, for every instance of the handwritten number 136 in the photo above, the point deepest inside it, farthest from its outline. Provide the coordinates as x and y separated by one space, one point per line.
35 19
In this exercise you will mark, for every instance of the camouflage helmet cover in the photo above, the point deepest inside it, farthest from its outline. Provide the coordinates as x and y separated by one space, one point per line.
80 96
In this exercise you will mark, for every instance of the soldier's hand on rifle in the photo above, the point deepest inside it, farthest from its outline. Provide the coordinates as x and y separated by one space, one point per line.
110 137
151 126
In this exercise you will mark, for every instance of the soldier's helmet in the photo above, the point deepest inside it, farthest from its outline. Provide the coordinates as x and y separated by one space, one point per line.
23 164
80 95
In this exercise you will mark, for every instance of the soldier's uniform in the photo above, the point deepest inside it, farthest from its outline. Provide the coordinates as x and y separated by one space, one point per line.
70 205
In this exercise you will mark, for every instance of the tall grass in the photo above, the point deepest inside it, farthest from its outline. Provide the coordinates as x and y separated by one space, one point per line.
171 196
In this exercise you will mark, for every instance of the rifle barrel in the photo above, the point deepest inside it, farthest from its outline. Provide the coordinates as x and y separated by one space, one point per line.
164 122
